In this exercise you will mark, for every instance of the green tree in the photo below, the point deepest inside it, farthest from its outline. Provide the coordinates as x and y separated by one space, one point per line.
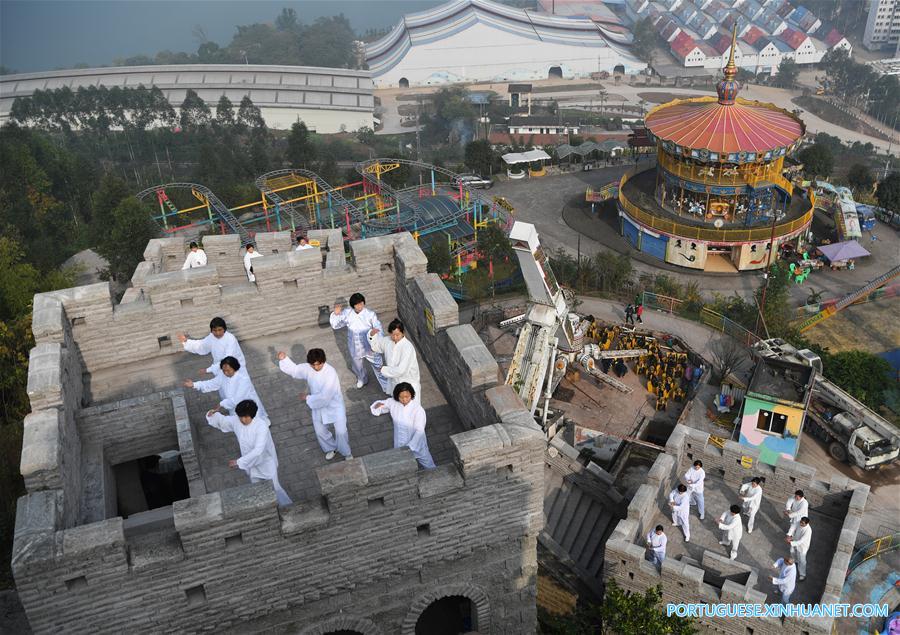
194 111
613 270
480 156
249 115
620 613
440 259
777 310
225 112
493 244
328 42
127 228
864 375
645 36
287 20
860 178
817 160
787 73
888 192
301 152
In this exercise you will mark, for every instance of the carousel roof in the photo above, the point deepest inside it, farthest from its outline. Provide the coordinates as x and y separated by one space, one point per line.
725 125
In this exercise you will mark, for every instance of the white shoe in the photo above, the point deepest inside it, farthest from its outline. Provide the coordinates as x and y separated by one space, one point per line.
749 531
723 543
329 455
359 384
733 557
687 539
701 518
348 457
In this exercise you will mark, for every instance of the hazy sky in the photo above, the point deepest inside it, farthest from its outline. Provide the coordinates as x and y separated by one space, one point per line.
37 35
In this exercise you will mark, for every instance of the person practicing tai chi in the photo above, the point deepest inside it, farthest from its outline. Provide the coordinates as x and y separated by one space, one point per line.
409 422
680 503
800 545
399 358
196 258
258 457
359 321
233 387
302 244
656 546
694 478
786 578
219 343
325 400
751 495
732 529
796 508
249 255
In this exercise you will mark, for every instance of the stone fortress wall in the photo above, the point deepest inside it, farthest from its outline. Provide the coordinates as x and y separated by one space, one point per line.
381 543
684 580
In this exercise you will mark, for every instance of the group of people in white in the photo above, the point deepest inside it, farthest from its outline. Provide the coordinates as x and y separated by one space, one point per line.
240 409
789 569
197 257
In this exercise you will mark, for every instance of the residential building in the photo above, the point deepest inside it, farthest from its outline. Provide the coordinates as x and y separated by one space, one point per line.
882 25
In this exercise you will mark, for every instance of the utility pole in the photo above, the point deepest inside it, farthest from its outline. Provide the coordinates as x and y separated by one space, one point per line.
418 107
762 304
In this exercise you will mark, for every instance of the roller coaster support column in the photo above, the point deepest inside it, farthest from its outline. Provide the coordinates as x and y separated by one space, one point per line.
347 216
398 209
460 196
432 182
278 217
208 209
162 211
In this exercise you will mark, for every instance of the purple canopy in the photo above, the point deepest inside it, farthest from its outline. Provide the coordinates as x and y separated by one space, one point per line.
843 251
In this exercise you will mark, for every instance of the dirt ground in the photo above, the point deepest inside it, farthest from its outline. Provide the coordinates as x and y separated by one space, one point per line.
872 327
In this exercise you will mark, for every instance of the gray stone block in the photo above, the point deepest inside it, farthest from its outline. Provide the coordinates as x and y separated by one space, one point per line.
251 500
389 465
105 535
343 475
197 514
441 480
41 448
301 518
480 365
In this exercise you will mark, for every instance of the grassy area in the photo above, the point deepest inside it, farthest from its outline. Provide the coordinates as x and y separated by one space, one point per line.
824 110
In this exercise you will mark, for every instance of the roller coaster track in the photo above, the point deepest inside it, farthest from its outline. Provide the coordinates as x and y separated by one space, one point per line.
298 219
204 194
849 299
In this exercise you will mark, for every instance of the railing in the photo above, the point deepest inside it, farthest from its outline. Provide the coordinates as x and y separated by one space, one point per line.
720 176
608 191
661 302
728 326
874 548
709 234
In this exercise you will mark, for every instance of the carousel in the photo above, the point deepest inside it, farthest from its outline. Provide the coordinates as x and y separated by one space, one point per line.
718 188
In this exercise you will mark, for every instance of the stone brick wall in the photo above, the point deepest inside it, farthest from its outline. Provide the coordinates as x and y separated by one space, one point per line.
381 543
682 580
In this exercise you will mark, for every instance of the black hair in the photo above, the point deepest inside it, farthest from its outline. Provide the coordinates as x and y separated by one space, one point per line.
799 493
698 462
217 322
682 487
193 244
756 480
315 356
356 298
805 519
396 324
735 509
658 528
230 361
249 245
299 238
246 408
404 386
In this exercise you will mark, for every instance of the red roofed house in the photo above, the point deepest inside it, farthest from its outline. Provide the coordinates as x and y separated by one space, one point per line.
687 51
752 34
805 51
835 39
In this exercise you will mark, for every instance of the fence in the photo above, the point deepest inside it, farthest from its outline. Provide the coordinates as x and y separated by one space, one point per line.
728 326
873 549
661 302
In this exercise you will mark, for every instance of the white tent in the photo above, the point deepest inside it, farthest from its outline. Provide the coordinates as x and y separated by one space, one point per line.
524 157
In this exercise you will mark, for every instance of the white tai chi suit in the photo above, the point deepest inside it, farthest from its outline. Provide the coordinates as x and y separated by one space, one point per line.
258 457
194 259
233 391
799 546
358 327
694 478
786 579
248 265
326 402
303 247
219 348
409 428
732 531
681 511
796 509
656 548
752 498
400 363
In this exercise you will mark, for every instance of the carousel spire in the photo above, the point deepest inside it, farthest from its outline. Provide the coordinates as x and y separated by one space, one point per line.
727 88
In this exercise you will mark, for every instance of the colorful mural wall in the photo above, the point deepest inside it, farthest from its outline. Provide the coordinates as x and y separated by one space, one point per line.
759 416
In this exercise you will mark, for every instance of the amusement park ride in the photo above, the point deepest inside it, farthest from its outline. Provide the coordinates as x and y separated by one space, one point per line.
439 208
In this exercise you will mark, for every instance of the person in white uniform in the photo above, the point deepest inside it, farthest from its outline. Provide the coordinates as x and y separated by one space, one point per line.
800 545
732 529
796 508
751 497
233 386
302 244
196 258
325 400
219 343
258 457
399 358
656 546
694 478
359 322
786 579
249 255
680 502
409 422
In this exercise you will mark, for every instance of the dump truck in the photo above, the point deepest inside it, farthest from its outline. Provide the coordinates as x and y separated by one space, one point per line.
853 432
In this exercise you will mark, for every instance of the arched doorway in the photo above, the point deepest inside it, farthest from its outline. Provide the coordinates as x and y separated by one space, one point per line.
404 83
619 68
555 72
480 615
450 615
